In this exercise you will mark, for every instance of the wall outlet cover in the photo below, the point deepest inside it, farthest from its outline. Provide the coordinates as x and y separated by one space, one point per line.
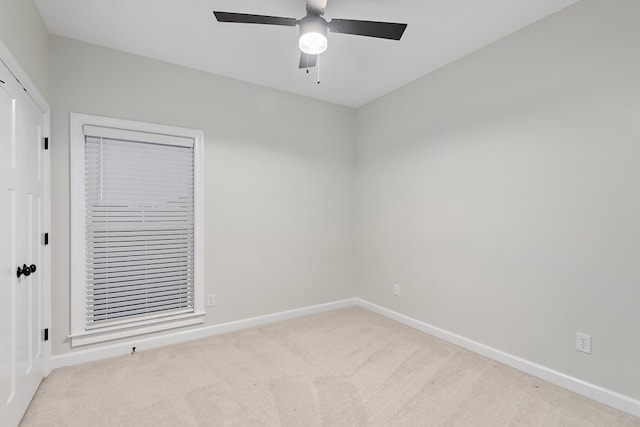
396 290
583 342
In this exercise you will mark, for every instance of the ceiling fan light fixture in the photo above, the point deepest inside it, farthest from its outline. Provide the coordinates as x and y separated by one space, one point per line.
313 43
313 35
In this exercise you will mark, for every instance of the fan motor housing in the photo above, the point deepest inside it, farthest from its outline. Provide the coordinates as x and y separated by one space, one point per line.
313 34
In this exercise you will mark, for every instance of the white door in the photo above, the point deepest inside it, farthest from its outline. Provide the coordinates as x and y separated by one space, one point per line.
21 202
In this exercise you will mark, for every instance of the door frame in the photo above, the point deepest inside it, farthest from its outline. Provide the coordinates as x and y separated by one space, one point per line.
20 74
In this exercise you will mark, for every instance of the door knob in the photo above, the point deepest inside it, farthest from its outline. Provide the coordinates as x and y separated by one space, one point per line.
26 271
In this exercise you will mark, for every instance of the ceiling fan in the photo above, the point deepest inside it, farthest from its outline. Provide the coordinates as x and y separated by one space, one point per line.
313 28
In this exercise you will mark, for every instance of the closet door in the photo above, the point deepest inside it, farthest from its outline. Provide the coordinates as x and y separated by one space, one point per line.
21 247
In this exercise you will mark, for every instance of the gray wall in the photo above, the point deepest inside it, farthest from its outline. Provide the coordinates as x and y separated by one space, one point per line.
23 31
502 193
278 178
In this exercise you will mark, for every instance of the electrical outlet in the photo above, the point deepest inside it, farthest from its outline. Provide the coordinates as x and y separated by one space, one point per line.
211 300
396 290
583 343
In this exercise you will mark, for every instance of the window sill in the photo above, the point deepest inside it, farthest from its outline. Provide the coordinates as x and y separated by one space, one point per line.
139 328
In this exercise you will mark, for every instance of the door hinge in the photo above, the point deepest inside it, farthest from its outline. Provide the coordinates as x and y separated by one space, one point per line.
46 143
46 239
46 334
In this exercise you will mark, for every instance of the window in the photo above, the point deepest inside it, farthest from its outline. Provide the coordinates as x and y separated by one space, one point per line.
136 225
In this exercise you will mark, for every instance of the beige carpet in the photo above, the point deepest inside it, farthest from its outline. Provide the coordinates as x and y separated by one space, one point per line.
347 367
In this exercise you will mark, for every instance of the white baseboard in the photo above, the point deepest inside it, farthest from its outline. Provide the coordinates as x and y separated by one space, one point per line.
179 336
592 391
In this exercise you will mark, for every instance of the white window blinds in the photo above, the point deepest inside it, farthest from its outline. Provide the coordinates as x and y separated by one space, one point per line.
139 225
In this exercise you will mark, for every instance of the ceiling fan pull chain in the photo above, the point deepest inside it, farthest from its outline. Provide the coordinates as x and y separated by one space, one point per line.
318 68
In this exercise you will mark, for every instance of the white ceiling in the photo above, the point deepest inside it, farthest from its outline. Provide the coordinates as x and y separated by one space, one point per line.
354 70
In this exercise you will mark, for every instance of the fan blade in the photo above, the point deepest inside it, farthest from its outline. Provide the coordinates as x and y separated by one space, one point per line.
245 18
307 61
317 6
383 30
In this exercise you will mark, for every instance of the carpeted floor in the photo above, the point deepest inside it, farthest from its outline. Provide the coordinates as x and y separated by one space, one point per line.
348 367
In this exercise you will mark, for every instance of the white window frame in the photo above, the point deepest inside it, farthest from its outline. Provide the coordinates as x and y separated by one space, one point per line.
80 335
